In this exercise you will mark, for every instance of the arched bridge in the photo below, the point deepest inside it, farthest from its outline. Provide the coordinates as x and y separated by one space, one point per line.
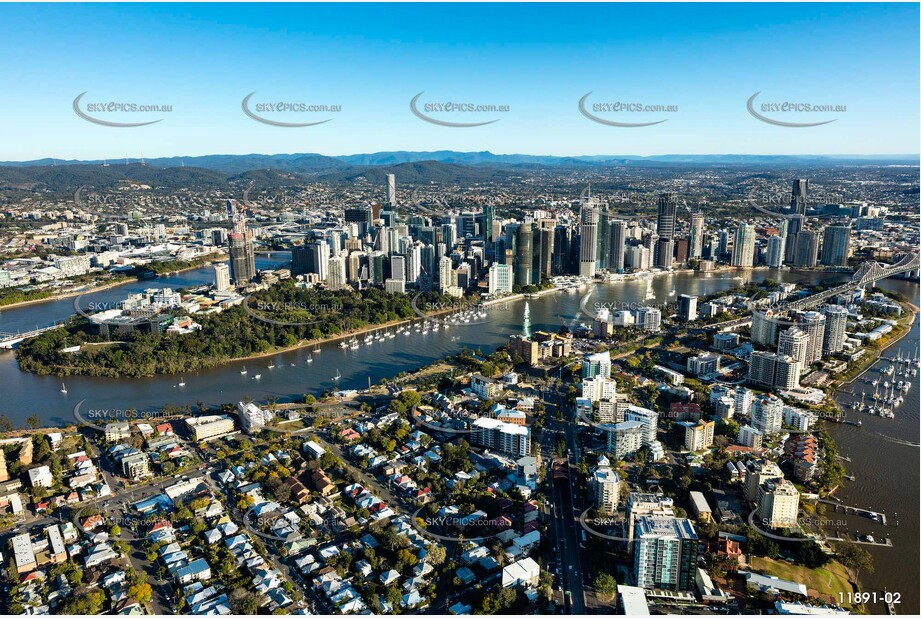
867 274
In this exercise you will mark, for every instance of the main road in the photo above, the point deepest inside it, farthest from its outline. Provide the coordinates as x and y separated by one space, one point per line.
565 507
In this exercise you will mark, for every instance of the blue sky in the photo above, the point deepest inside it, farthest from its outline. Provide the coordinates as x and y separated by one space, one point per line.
539 59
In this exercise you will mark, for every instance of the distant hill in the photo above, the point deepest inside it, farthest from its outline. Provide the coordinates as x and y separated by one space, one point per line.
417 172
68 178
224 172
312 163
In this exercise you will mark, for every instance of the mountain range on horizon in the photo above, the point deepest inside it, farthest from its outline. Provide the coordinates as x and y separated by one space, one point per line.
313 163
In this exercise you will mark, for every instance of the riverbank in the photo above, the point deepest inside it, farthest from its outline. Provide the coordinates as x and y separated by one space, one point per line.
83 290
866 365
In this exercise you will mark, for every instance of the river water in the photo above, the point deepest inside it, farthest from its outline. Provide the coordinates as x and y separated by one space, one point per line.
884 465
885 461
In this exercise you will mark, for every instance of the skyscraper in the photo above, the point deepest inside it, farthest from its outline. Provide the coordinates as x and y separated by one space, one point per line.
221 278
546 228
398 268
617 246
605 486
835 324
242 256
798 198
665 253
767 414
524 256
813 324
391 190
668 212
666 551
361 217
445 278
743 250
794 227
563 258
697 236
337 279
778 504
601 236
687 308
588 233
794 343
774 257
312 257
806 250
835 244
500 278
489 219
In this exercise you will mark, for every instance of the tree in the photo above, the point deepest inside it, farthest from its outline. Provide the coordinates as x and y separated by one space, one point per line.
854 557
244 602
34 421
140 592
437 555
606 585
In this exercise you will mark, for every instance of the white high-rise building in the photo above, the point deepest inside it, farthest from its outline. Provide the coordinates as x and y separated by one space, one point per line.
647 418
767 414
649 319
252 417
764 327
337 279
794 343
758 473
391 190
639 257
774 370
625 438
605 486
599 388
775 251
588 232
221 278
413 264
835 325
750 437
445 274
813 324
500 278
743 401
778 504
508 437
696 243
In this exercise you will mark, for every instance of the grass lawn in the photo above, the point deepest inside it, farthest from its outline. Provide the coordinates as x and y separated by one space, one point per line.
827 580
